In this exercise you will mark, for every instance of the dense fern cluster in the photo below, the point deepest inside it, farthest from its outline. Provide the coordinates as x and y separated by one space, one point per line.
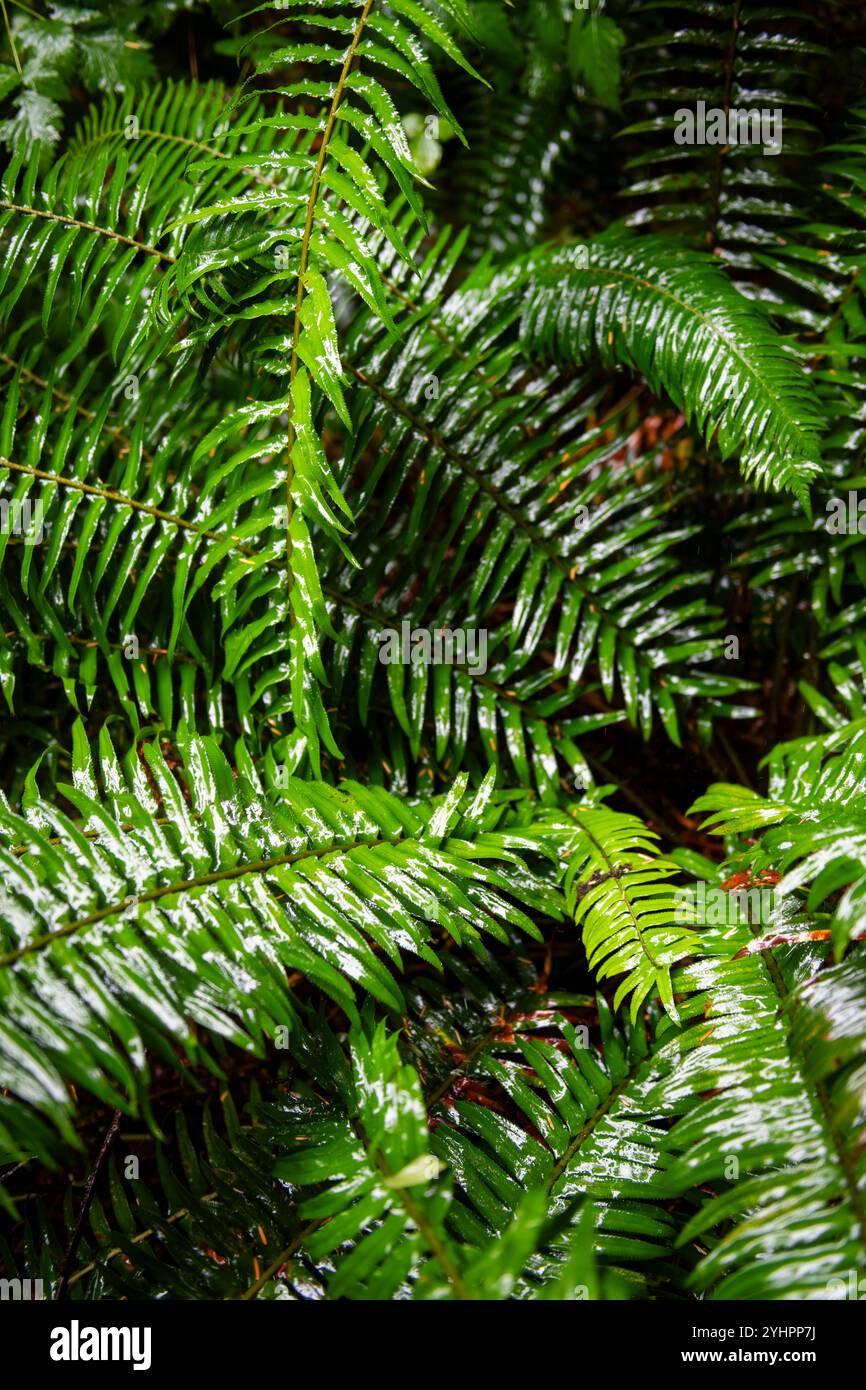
432 649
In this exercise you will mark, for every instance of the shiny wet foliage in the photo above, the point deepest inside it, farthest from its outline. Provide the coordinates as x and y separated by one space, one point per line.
532 974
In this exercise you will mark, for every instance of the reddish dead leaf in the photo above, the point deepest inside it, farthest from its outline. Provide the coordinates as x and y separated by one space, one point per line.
795 938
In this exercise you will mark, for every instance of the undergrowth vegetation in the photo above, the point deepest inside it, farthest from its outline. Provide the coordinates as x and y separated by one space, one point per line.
433 650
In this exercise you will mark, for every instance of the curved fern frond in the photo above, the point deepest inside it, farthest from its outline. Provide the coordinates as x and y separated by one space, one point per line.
188 894
670 314
777 1140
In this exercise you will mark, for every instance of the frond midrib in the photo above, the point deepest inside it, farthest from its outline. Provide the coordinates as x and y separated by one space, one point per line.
190 884
616 873
93 227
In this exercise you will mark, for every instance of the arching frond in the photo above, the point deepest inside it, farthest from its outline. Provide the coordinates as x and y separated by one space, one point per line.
186 899
671 315
776 1144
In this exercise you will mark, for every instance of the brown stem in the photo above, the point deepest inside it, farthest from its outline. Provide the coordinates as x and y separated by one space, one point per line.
69 1256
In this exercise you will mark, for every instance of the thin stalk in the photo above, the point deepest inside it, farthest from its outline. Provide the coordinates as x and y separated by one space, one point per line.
303 264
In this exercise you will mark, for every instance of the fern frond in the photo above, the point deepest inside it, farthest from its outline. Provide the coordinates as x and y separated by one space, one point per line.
619 889
376 1175
188 895
198 1223
540 502
671 315
97 231
507 1197
368 541
754 193
774 1142
316 171
814 821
